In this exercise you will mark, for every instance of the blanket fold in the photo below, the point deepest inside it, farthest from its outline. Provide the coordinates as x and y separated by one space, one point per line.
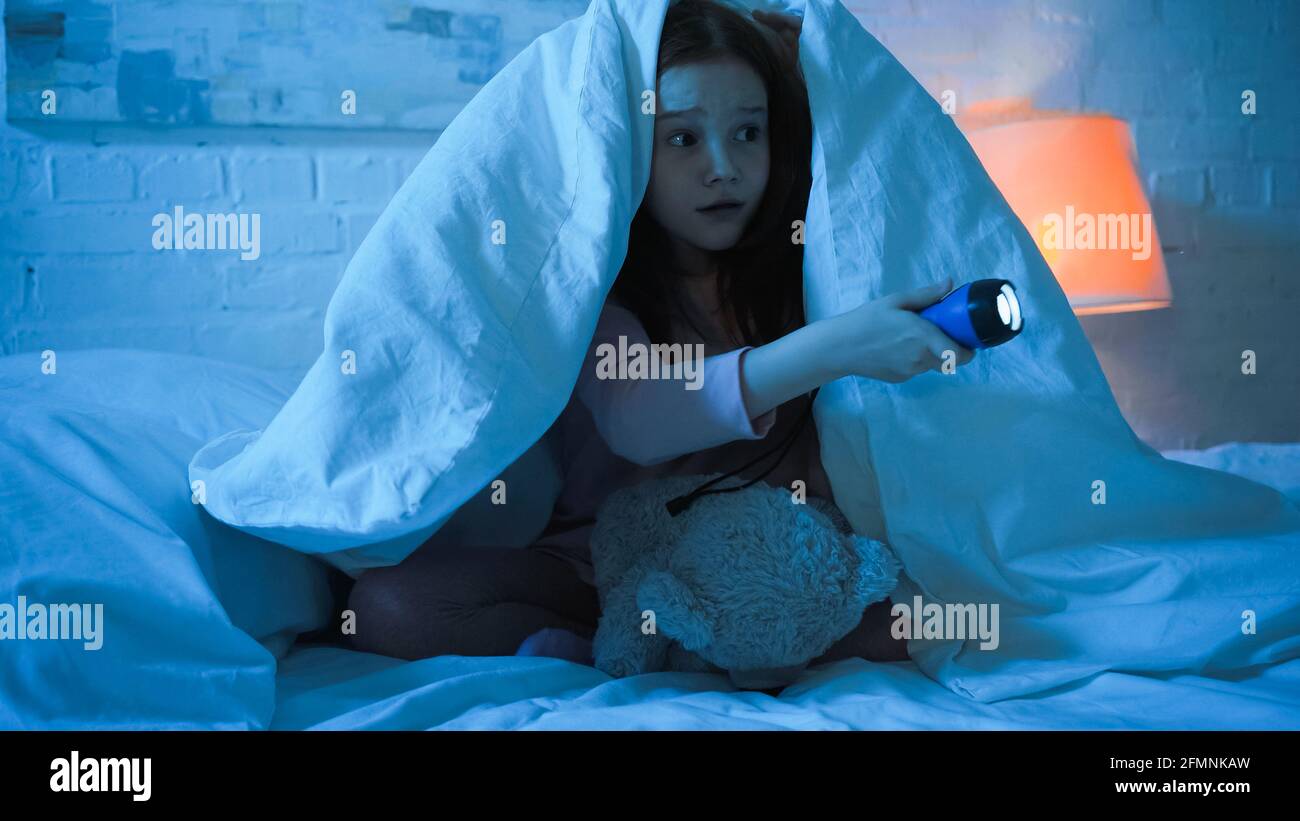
1015 481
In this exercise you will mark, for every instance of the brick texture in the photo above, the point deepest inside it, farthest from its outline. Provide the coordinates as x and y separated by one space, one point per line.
77 268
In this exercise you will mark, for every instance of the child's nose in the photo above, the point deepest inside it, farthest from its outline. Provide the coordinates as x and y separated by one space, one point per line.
722 166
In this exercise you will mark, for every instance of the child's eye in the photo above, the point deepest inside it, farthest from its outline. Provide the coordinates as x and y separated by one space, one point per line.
687 134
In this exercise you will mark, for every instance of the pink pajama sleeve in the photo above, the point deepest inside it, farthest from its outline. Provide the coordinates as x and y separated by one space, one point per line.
649 421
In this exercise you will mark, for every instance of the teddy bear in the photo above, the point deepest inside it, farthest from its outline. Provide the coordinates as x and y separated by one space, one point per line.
750 583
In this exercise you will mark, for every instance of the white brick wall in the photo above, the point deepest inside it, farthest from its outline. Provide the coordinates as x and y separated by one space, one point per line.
76 268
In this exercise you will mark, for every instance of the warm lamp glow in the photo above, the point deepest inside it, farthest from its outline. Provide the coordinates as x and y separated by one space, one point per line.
1072 180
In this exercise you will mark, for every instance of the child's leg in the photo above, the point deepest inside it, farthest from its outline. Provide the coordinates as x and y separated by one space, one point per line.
469 602
870 640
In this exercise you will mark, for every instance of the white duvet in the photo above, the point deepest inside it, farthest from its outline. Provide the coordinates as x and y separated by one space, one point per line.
447 356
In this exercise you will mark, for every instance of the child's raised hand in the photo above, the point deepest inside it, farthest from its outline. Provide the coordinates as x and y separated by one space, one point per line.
886 339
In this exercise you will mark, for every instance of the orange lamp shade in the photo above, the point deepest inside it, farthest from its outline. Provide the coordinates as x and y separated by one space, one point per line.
1072 180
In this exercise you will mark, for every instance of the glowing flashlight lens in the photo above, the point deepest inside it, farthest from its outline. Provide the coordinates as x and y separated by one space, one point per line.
1004 310
1009 296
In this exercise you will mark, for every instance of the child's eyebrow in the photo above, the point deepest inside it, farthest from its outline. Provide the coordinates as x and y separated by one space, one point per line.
667 115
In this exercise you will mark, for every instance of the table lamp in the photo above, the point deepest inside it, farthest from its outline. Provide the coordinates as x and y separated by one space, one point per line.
1072 180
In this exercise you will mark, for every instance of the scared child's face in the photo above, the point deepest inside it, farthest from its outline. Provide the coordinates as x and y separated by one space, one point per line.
717 151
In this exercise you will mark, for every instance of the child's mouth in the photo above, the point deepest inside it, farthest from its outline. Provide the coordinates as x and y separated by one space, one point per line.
720 211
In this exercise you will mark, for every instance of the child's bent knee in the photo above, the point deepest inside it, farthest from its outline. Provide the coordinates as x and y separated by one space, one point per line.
387 620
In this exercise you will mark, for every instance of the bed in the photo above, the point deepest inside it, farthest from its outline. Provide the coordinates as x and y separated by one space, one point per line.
329 688
197 503
201 619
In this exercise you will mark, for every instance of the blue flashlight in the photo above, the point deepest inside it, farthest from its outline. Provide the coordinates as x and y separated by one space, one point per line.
979 314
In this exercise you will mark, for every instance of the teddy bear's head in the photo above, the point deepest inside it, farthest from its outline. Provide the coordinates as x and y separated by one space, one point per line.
758 584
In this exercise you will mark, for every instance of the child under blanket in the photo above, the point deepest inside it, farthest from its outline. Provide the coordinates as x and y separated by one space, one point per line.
714 260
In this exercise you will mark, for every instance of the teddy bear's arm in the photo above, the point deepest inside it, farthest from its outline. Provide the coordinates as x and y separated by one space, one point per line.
621 648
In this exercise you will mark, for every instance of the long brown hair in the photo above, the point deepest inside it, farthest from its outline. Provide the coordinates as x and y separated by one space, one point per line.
761 277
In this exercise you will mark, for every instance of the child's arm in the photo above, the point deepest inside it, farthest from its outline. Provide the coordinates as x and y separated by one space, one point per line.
787 367
883 339
649 421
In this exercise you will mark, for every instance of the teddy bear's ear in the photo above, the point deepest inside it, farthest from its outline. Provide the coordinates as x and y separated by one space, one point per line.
878 573
677 613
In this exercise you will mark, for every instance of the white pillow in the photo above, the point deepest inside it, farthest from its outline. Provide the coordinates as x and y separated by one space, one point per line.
95 509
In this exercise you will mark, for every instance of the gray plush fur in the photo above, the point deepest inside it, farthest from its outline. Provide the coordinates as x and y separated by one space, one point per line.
743 581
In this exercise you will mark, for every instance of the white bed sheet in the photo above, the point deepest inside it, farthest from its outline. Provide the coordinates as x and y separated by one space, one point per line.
329 688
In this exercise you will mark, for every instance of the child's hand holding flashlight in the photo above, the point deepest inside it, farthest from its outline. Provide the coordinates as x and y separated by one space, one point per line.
886 339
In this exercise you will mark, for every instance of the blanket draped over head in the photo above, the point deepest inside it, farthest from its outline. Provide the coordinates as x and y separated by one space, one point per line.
456 336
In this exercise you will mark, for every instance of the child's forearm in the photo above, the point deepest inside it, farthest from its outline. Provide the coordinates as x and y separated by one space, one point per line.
772 374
